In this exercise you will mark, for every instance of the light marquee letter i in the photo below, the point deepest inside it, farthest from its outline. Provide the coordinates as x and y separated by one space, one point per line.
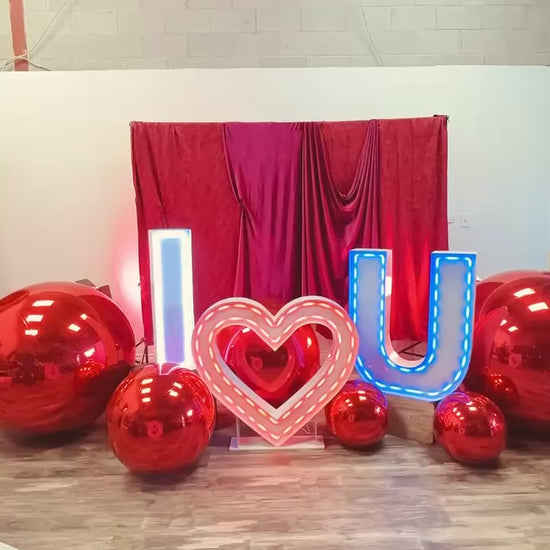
170 257
450 325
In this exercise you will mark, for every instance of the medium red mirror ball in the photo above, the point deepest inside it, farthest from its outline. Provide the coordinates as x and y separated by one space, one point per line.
64 348
470 427
358 415
160 421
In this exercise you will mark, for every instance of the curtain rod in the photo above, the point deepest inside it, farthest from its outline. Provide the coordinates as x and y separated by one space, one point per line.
447 118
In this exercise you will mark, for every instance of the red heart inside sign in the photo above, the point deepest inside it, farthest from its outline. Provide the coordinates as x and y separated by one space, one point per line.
274 375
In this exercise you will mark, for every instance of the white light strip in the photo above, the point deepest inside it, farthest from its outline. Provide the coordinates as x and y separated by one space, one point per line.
157 295
187 295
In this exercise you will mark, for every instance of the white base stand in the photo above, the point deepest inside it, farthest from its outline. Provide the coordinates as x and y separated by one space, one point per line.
308 439
296 443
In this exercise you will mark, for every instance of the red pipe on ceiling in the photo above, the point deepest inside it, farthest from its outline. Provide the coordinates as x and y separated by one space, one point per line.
18 34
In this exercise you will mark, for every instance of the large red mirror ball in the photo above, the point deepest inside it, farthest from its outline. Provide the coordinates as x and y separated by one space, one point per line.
485 287
64 348
275 375
160 422
511 353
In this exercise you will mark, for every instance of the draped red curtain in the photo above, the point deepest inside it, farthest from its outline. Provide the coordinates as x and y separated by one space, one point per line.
336 218
413 213
181 181
275 207
263 162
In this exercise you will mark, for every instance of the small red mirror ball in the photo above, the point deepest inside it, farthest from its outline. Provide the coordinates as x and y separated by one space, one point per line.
358 415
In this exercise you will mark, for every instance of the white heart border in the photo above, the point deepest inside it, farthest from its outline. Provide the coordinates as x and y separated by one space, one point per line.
241 400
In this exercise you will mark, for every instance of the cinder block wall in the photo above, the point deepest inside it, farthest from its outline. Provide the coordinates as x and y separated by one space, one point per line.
115 34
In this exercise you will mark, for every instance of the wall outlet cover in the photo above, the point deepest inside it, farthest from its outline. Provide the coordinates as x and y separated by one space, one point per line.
465 220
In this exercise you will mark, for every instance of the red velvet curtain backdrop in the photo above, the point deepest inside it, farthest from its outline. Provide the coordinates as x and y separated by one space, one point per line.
275 207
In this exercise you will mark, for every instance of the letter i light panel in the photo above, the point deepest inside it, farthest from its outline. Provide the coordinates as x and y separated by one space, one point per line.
450 326
172 295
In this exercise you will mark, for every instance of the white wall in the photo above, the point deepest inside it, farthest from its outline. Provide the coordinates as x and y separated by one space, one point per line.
146 34
66 194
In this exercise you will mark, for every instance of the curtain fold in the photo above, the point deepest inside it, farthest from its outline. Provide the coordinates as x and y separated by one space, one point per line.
336 219
263 161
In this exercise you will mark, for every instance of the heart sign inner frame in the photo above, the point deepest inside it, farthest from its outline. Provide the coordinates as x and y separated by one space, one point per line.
276 425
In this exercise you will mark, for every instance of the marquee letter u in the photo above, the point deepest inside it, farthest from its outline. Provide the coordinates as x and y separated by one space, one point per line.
450 325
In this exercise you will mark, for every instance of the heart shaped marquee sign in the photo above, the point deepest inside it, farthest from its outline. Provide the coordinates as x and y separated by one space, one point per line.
276 425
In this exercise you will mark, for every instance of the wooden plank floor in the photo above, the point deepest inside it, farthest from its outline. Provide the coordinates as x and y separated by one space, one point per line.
404 496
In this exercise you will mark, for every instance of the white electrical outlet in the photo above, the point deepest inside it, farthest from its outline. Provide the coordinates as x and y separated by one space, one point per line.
465 220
